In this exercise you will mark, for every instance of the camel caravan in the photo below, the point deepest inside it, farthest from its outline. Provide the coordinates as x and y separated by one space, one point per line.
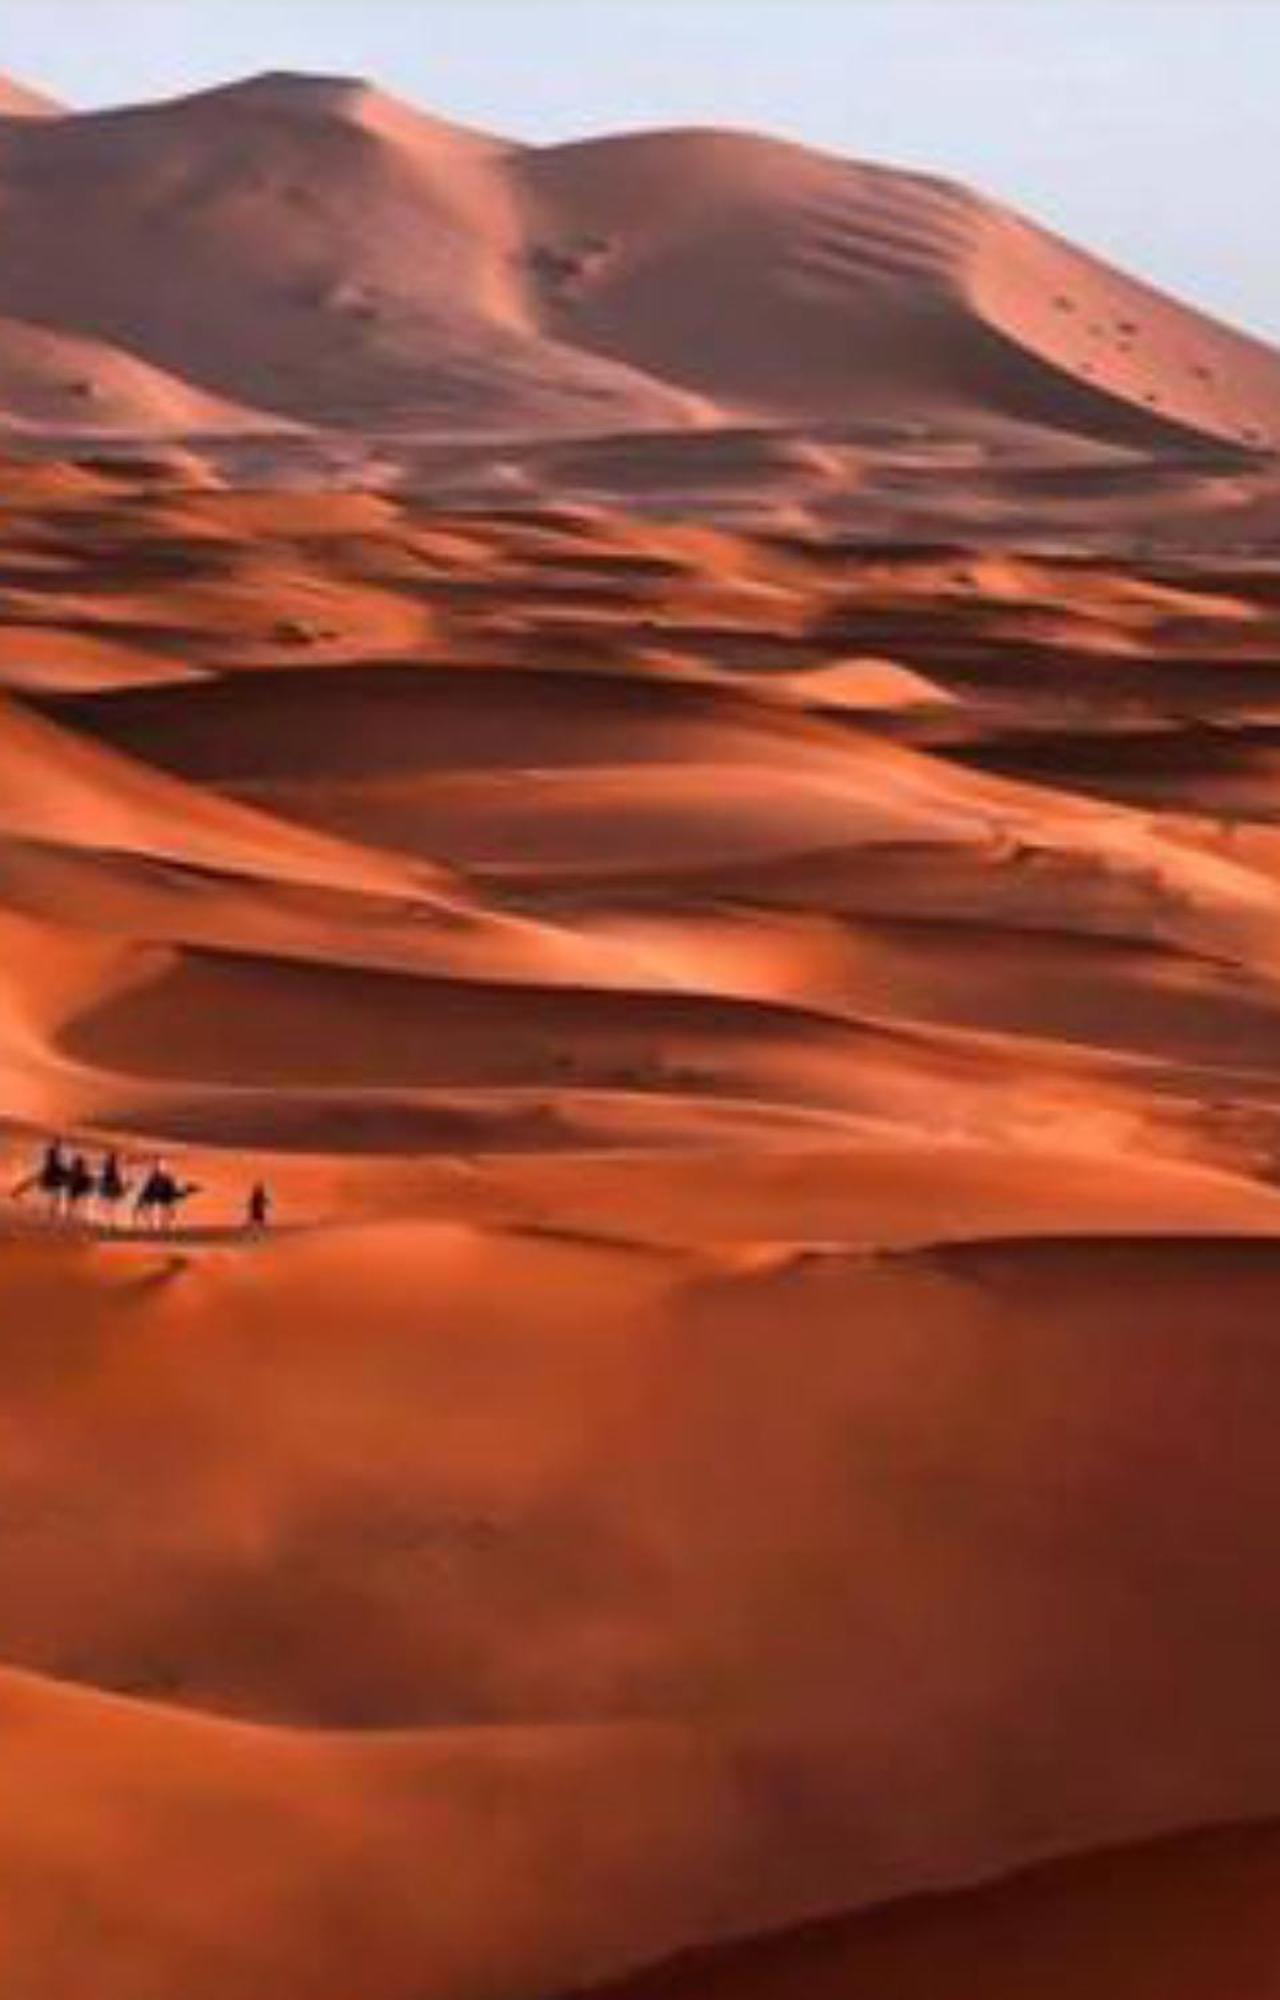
74 1191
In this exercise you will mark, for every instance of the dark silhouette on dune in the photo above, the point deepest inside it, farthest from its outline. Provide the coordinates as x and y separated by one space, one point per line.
112 1188
80 1185
160 1197
51 1178
71 1188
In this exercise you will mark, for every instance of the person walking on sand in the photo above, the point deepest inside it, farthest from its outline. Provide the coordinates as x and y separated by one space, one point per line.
258 1207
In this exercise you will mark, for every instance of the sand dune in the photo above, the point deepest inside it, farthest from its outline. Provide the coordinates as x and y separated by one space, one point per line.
58 788
17 101
903 293
57 383
312 281
1001 1522
344 261
1176 1920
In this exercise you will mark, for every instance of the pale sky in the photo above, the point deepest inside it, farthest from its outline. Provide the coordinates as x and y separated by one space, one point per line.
1147 130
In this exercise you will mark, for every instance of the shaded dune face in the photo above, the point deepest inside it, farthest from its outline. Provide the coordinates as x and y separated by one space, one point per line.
759 1403
1180 1917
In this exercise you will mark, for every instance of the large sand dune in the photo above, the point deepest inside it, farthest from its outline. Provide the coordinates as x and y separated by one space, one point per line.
761 1402
303 279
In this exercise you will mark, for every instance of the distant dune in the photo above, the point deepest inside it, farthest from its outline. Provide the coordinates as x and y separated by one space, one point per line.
62 384
16 101
305 255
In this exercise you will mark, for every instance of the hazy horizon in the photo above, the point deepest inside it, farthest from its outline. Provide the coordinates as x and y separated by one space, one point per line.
1143 129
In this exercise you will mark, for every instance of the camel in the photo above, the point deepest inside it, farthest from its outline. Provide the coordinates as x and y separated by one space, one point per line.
112 1188
159 1199
52 1179
71 1188
67 1183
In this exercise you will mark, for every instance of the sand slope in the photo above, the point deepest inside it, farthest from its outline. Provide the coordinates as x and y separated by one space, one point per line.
983 1532
793 283
61 383
18 101
342 260
1176 1918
